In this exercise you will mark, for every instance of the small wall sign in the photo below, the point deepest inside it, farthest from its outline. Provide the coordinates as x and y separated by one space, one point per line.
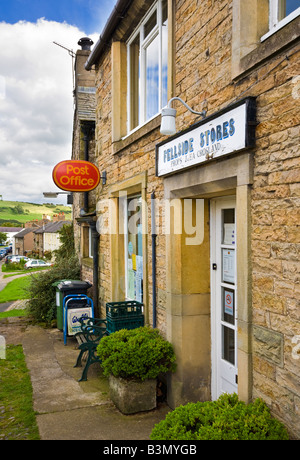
226 132
76 175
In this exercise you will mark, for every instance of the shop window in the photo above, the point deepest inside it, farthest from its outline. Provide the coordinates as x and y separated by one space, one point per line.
147 54
87 248
281 12
133 244
91 246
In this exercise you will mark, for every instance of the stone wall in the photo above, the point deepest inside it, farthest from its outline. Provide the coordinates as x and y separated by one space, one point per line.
203 78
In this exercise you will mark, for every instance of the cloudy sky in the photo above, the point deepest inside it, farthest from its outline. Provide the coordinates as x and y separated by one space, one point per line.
36 84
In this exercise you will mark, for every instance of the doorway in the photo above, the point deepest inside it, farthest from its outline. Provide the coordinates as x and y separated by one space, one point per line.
223 244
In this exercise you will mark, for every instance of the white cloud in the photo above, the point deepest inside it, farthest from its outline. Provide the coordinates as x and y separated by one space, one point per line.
36 105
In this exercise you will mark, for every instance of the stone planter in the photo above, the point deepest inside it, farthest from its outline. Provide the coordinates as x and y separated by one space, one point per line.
132 396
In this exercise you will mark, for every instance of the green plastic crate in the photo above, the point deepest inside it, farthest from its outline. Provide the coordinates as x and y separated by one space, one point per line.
114 325
128 308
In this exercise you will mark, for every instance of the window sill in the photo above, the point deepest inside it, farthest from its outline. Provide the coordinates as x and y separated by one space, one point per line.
87 262
281 24
276 42
136 135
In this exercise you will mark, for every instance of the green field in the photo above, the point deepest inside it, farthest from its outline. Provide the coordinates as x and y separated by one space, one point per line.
19 212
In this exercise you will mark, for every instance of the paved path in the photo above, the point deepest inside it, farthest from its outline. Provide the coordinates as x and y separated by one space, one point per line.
67 409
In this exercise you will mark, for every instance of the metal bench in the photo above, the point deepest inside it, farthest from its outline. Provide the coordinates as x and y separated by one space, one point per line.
92 331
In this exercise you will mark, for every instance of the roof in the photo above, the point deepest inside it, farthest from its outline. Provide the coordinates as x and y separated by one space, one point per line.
24 232
116 16
52 227
10 229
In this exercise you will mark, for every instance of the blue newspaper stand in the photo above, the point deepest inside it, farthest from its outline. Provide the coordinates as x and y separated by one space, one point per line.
76 302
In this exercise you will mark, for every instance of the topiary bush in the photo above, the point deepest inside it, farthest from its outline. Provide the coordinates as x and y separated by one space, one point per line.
139 353
224 419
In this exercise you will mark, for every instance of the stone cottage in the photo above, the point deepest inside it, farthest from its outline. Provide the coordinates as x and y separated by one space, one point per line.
200 221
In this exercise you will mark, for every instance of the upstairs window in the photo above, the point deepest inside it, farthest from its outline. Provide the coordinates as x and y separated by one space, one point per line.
148 67
281 12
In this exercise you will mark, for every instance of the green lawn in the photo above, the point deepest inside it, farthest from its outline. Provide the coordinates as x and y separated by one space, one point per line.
15 290
17 417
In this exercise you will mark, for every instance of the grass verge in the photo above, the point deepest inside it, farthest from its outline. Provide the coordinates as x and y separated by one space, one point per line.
13 313
17 417
15 290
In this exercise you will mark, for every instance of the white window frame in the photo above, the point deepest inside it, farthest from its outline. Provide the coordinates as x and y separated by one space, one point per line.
274 23
125 200
144 43
90 244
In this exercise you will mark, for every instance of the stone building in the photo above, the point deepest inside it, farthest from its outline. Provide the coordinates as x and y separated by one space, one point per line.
24 241
83 148
47 237
224 190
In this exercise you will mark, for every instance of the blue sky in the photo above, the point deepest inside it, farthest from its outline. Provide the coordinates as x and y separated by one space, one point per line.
88 15
36 89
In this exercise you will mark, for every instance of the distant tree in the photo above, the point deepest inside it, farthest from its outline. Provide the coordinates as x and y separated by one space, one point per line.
18 209
67 248
3 237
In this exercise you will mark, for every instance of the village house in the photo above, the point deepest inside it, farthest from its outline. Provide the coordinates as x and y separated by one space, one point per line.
200 222
47 239
24 241
10 233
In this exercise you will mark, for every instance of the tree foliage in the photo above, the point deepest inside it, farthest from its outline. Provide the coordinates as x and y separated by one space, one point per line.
42 292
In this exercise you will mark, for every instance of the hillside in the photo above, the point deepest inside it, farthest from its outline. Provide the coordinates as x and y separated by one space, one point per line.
19 212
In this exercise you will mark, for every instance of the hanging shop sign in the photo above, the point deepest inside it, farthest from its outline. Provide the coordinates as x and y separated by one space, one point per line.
228 131
76 175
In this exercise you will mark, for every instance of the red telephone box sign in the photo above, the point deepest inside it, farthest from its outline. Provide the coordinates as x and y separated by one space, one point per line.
76 175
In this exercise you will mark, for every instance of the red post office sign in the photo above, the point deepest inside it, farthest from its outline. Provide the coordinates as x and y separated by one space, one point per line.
76 175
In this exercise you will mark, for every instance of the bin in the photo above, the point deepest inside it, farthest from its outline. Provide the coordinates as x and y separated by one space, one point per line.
64 288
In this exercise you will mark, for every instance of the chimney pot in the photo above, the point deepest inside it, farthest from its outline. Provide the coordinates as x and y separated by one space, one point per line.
85 43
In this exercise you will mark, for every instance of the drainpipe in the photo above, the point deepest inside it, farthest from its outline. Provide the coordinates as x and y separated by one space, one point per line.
86 138
153 231
95 241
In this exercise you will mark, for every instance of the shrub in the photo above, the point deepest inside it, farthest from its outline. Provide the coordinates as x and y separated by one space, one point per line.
139 353
224 419
42 293
14 266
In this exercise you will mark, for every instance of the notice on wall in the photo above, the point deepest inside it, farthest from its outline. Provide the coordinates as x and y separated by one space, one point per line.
139 278
229 234
131 284
229 302
228 265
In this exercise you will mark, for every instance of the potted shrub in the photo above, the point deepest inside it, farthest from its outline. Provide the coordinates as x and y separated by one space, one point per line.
224 419
132 360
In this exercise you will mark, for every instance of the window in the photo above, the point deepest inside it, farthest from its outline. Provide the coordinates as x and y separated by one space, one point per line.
281 12
87 242
148 66
91 246
133 248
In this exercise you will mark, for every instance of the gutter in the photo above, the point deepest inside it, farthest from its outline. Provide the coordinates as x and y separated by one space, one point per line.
118 13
